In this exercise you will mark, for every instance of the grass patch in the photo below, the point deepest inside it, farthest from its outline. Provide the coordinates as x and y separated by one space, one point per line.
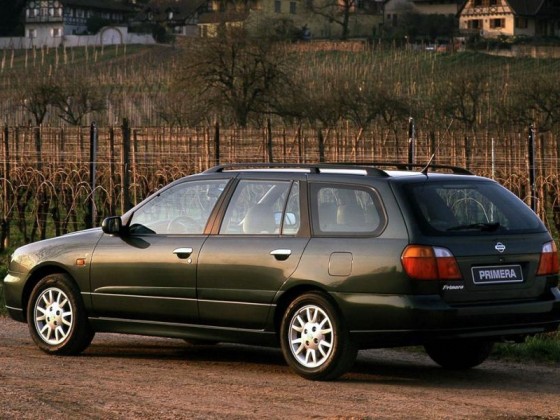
542 348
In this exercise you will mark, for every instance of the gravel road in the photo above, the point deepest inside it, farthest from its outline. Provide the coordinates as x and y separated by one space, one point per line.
132 377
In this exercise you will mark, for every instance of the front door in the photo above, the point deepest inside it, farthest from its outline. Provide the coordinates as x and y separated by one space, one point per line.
149 271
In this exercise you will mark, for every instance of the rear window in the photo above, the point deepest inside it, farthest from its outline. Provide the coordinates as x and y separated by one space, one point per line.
473 207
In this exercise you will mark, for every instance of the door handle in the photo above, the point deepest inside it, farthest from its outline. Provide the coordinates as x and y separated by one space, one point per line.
183 253
281 254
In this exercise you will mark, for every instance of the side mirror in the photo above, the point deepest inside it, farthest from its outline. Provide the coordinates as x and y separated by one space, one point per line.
112 225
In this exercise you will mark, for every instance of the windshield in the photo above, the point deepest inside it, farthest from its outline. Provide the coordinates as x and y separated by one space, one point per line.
470 207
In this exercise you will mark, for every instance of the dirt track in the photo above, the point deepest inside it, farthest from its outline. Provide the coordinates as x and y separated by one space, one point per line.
138 377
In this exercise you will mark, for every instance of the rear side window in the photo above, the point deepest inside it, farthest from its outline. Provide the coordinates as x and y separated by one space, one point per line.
444 207
346 209
263 208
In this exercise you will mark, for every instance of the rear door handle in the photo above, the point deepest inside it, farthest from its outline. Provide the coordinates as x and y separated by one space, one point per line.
281 254
183 253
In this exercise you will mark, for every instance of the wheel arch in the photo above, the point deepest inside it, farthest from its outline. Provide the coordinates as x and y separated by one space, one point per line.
35 277
289 295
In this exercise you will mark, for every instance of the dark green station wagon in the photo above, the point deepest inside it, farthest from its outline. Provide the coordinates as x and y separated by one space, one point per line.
322 260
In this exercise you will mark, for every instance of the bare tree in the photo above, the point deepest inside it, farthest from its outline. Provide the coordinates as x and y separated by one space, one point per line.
37 94
336 11
234 72
537 101
461 96
77 96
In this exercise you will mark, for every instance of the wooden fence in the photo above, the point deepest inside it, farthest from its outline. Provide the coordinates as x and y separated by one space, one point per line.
46 183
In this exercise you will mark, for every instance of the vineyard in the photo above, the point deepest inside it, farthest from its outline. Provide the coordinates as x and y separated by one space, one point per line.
165 112
47 190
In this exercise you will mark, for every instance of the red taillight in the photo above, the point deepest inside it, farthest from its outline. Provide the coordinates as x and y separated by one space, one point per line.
430 263
549 260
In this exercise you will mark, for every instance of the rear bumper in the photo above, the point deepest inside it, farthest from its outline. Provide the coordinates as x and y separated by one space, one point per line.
379 321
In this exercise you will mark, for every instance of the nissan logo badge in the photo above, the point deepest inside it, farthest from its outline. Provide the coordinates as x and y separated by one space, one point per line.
500 247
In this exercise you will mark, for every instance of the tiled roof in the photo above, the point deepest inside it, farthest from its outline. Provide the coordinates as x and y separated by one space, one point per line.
526 7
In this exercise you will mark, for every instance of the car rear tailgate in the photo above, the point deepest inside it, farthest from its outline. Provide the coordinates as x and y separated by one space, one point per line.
497 268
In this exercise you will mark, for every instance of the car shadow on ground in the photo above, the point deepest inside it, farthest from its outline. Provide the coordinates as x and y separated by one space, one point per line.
176 349
384 366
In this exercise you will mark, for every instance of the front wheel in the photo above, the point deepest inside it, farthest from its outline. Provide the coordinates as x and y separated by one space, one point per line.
314 339
459 354
56 316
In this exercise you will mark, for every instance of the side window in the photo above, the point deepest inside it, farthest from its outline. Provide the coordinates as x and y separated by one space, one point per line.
346 209
263 208
181 209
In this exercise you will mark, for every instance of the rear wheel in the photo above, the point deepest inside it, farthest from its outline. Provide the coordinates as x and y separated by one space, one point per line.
56 316
314 339
459 354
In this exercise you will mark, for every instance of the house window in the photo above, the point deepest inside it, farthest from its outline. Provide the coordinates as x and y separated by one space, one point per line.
521 22
497 23
56 32
293 7
32 33
277 6
474 24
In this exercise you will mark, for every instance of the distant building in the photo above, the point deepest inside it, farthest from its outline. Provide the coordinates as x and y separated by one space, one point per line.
53 23
46 19
492 18
179 17
395 8
364 16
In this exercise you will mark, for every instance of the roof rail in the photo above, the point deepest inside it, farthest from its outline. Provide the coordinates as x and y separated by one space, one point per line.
410 166
370 168
312 168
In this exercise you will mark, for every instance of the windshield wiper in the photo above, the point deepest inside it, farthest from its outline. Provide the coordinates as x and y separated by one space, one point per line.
483 227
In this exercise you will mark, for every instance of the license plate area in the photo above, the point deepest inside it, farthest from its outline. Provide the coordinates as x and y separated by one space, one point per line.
496 274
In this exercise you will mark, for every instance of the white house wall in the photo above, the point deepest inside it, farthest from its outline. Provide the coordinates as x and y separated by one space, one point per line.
106 36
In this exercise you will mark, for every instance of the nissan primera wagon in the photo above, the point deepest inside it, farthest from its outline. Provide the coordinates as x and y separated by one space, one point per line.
321 260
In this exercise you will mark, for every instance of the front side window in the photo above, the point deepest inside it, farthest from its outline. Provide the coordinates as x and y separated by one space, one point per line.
263 208
179 210
346 210
482 207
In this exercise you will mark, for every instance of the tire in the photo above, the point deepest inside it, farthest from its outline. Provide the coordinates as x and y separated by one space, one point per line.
314 339
459 354
56 316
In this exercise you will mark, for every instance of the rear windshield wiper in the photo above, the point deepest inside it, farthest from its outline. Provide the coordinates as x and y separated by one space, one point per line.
484 227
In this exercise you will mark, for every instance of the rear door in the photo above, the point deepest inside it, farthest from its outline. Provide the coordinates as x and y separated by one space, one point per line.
252 253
